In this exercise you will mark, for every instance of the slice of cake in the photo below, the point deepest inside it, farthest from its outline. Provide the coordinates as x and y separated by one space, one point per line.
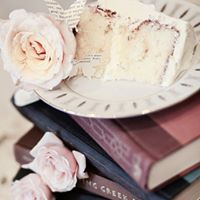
135 41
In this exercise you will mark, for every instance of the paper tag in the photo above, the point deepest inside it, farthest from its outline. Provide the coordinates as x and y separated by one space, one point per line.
90 59
71 15
86 66
148 1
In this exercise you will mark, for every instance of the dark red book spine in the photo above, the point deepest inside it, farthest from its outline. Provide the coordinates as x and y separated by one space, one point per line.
118 144
105 188
95 184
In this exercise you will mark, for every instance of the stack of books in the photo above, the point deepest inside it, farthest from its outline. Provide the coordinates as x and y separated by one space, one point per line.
154 157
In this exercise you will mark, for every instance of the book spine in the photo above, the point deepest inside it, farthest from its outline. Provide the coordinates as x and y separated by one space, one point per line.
117 143
95 184
22 155
105 188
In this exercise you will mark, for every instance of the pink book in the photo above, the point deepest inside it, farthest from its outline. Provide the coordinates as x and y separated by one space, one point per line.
152 149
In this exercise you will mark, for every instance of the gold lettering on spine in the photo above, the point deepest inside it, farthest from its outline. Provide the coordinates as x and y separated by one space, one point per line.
114 193
90 184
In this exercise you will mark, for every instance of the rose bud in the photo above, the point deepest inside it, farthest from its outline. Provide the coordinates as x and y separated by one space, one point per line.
31 187
58 167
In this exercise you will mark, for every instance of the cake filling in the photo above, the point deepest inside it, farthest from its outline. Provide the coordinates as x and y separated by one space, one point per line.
141 53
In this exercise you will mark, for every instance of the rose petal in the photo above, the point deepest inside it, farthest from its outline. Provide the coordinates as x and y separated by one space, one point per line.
81 160
31 185
48 138
33 166
18 15
55 187
3 31
23 97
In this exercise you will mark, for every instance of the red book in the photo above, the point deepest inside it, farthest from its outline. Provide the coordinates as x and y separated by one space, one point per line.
152 149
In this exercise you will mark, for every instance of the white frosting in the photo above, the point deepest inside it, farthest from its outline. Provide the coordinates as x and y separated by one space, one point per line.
128 8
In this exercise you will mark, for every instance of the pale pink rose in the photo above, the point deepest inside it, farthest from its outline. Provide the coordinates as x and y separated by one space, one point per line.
58 167
31 187
36 50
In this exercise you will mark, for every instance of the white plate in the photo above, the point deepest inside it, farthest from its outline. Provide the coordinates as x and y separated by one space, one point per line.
118 99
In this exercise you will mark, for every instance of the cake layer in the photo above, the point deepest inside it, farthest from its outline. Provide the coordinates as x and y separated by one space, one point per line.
154 43
94 36
135 41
